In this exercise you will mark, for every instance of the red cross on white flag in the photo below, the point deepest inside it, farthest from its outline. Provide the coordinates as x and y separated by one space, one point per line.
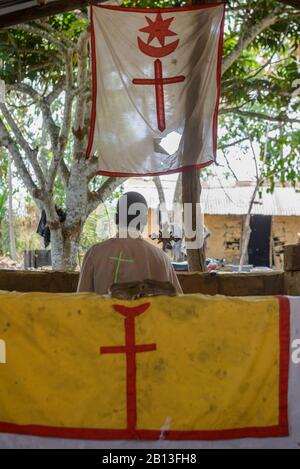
156 88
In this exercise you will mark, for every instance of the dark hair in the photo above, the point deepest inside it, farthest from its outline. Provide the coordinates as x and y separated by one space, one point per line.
123 209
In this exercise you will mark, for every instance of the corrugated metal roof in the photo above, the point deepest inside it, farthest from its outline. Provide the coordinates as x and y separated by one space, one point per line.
232 200
285 201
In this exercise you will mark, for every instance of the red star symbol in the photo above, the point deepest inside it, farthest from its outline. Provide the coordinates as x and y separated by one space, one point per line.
158 29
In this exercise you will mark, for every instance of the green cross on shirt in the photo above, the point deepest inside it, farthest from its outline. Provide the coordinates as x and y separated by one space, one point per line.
119 261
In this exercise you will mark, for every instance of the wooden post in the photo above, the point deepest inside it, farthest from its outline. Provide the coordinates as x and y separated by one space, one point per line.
292 269
191 192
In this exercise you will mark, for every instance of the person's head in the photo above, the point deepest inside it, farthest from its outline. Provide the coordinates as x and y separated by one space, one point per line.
132 212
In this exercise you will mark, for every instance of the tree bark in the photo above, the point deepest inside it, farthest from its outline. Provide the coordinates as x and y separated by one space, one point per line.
64 248
160 190
12 234
57 249
177 199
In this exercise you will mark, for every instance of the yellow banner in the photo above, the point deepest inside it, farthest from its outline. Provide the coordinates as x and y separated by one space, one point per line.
83 366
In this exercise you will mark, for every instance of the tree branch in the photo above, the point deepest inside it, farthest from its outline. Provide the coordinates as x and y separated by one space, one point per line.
259 115
11 146
64 172
95 198
229 166
82 80
233 144
53 32
37 31
250 33
178 190
45 105
56 92
22 142
93 165
160 190
25 89
52 128
60 140
67 119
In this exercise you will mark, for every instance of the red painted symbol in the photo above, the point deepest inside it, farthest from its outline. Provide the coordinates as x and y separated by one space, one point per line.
158 29
130 349
159 81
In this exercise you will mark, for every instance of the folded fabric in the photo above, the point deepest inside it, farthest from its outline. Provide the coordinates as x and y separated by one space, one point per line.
146 288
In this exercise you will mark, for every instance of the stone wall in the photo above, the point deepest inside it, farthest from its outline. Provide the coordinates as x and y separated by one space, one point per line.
224 241
284 231
292 269
226 230
37 281
210 284
230 284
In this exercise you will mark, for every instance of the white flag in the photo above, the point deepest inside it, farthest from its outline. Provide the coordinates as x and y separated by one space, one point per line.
156 88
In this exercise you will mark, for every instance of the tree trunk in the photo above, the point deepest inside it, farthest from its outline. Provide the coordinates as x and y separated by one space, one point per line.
245 241
12 234
164 215
247 228
57 249
70 253
64 249
191 192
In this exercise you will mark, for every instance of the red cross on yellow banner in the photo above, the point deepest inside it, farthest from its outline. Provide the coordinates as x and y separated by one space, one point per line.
192 367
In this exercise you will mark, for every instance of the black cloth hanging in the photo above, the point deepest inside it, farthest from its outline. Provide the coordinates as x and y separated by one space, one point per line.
43 228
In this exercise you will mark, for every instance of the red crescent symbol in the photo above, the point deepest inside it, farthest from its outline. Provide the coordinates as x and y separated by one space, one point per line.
157 52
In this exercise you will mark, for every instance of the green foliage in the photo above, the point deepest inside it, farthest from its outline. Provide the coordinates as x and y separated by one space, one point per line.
3 202
284 165
29 56
261 81
100 224
25 227
153 3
